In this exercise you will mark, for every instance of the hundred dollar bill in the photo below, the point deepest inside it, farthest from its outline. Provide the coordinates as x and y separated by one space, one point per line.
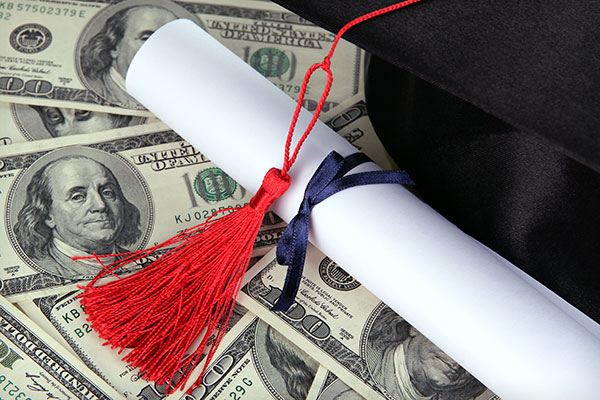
350 119
76 54
354 335
255 361
63 317
107 193
35 366
21 122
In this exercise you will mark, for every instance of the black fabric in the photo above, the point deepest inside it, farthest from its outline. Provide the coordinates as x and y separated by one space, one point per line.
530 203
534 64
494 110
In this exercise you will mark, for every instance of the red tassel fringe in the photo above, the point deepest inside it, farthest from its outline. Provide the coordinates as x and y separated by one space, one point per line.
187 293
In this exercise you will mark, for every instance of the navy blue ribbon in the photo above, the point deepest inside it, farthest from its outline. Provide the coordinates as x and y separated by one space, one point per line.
328 179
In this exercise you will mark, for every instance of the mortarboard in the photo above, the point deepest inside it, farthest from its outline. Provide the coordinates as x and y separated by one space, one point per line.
494 110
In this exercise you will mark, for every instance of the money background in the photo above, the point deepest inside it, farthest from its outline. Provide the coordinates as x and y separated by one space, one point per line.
62 54
47 70
34 366
148 162
259 361
22 122
62 316
354 335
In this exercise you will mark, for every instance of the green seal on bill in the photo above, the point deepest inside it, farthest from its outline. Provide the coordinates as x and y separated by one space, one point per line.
270 62
212 184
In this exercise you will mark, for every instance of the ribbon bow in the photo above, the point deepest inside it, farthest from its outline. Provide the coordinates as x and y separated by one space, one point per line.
329 178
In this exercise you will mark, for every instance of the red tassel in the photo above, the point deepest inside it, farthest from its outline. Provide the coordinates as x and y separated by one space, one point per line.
185 294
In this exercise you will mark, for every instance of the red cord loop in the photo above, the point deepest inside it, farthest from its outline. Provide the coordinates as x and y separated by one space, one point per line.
325 66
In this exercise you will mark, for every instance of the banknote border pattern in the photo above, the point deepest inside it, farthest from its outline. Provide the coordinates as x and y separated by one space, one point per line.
6 317
45 306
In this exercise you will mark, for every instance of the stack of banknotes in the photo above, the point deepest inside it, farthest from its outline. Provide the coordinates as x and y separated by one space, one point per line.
84 168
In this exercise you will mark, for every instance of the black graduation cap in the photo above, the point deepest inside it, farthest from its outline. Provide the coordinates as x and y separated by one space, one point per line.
493 107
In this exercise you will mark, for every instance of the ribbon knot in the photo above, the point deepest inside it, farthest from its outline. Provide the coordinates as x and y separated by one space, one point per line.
329 178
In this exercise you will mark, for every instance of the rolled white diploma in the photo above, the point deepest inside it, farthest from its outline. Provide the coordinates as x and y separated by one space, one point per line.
515 336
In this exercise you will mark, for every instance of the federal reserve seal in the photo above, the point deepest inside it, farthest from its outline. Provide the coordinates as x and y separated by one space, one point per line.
212 184
30 38
270 62
336 277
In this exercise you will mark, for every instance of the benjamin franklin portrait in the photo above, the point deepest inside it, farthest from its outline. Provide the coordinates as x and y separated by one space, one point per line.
112 38
407 366
74 205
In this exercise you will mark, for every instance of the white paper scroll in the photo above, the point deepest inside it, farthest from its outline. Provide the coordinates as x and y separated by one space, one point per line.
514 335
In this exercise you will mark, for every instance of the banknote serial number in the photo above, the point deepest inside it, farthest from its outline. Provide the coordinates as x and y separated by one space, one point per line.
205 214
294 89
12 389
240 390
38 9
